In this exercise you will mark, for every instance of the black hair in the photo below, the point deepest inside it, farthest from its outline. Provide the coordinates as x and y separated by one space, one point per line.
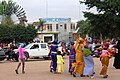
59 53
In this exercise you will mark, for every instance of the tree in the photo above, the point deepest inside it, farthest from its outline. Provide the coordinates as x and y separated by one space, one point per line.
39 24
18 33
84 26
107 21
10 8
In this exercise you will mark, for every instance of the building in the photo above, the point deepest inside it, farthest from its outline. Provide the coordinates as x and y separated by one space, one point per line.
57 28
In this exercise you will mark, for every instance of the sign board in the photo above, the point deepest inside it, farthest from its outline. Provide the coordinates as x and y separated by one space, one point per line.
57 19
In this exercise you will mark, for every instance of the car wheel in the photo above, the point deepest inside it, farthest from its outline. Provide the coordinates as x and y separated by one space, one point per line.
46 58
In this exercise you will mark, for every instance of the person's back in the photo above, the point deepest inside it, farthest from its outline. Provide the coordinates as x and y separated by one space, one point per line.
54 48
60 62
60 59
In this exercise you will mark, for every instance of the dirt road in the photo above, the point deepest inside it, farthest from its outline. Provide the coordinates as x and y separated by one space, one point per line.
38 69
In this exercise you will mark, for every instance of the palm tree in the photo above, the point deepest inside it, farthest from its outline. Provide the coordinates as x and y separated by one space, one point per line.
7 9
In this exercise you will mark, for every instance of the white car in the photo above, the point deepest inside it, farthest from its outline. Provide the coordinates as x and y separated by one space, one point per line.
33 50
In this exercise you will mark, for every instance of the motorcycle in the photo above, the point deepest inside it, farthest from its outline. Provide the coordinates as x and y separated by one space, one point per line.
11 55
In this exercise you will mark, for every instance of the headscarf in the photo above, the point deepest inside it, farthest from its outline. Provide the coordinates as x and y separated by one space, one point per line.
72 42
89 39
21 44
55 42
79 40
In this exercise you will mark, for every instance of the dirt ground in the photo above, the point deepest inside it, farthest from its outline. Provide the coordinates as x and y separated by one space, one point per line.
38 69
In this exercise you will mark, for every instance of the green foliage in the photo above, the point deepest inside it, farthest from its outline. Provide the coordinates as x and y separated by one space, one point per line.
84 26
7 21
10 8
40 24
18 33
107 21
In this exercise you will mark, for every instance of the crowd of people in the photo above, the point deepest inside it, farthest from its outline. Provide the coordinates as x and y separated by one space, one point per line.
81 61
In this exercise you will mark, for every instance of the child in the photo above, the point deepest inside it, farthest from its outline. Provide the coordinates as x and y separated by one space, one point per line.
72 67
104 57
21 58
60 62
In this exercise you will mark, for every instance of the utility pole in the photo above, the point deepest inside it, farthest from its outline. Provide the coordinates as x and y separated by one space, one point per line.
46 8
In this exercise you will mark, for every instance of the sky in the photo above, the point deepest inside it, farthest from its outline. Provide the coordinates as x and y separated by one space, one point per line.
36 9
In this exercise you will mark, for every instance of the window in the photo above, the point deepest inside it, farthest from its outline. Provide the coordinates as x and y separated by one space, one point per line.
50 27
56 27
28 46
43 45
35 46
65 26
71 27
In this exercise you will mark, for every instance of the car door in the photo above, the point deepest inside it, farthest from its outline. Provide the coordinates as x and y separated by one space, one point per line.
44 51
34 50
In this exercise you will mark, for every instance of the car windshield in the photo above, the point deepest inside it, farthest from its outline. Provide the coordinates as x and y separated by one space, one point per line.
28 46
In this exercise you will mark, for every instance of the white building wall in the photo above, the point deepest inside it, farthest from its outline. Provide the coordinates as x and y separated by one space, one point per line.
62 33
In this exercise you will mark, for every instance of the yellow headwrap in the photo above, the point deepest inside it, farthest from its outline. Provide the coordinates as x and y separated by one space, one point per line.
79 40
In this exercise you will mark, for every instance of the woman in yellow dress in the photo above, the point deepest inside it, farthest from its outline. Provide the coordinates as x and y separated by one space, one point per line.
79 69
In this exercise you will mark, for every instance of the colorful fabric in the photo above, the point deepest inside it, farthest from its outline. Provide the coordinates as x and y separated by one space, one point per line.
21 52
73 66
72 42
71 57
89 39
55 42
89 65
79 57
60 62
60 59
87 52
85 41
104 53
54 48
105 63
54 61
59 68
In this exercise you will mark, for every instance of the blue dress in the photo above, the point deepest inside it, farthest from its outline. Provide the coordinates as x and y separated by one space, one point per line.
89 63
54 56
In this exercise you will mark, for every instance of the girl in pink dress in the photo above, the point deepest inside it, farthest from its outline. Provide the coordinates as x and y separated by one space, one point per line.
21 58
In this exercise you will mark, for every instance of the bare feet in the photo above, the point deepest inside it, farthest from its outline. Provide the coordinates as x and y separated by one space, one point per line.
16 71
23 72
